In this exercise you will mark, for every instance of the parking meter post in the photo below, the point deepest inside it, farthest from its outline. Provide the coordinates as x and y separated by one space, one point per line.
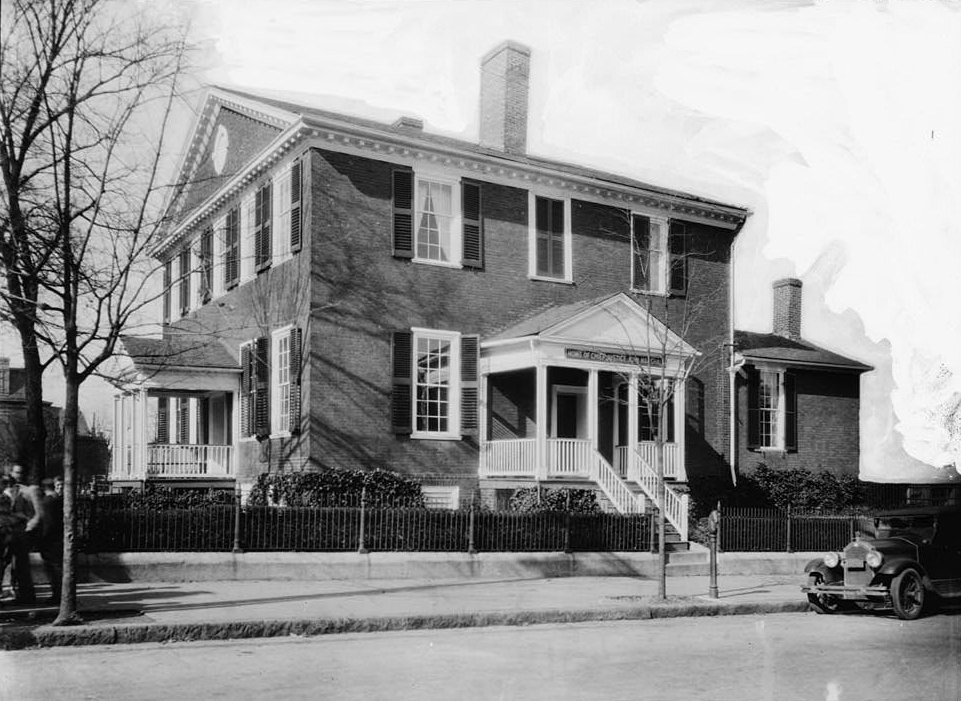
362 545
471 548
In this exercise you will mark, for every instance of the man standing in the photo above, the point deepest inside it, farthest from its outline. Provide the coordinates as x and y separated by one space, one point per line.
51 536
23 505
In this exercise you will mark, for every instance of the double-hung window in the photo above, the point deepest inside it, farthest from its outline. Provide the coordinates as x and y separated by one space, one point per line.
658 255
435 382
772 409
280 371
550 239
435 237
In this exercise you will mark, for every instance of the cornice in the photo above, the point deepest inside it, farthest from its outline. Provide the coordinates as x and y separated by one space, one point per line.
408 149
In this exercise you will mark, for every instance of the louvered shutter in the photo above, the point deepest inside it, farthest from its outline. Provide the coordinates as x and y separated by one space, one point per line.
469 383
473 238
790 412
262 386
183 420
246 382
753 408
641 255
296 369
677 243
403 222
296 213
184 282
232 249
262 235
206 265
400 396
166 294
163 420
203 420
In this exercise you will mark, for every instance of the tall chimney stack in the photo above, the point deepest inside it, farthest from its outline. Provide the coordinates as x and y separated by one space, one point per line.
505 77
787 308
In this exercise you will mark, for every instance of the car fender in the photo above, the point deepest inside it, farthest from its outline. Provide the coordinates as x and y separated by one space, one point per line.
896 567
828 574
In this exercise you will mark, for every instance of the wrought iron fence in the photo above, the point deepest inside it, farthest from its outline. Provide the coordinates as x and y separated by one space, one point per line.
110 525
745 529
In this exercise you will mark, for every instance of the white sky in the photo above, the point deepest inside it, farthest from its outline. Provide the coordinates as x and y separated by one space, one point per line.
838 123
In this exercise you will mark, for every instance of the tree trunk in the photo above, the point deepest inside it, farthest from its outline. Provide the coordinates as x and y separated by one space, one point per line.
71 410
661 521
36 428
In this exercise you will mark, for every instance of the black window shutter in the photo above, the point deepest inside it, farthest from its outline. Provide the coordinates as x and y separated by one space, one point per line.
753 408
185 282
677 243
669 435
262 234
790 412
403 221
296 211
203 420
473 256
262 382
469 382
183 420
641 256
246 382
400 396
166 297
296 360
232 248
163 420
206 265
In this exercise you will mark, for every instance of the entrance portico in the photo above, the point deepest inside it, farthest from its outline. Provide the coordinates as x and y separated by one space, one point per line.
572 394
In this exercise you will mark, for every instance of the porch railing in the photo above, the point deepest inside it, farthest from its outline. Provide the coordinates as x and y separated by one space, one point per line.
675 503
509 458
189 461
673 461
569 457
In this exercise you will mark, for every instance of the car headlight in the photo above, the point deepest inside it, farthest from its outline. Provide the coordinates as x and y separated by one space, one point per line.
832 560
874 559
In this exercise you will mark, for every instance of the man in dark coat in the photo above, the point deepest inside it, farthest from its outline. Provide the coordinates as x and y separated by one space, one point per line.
51 535
24 506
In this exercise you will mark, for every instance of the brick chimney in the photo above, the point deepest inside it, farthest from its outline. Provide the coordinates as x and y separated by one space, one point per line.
787 308
505 73
4 376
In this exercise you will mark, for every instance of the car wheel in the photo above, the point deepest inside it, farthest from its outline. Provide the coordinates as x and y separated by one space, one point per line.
908 595
826 603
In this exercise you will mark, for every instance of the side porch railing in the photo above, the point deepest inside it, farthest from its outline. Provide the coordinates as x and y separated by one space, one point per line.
189 460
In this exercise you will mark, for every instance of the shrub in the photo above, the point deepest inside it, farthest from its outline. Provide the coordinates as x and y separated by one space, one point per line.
382 488
535 500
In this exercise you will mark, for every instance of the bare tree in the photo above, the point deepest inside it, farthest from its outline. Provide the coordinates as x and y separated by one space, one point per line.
89 88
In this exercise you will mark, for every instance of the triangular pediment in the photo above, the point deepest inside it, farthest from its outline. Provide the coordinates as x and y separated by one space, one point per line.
229 133
618 322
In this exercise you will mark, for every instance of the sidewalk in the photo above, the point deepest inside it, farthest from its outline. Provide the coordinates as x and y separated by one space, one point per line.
158 612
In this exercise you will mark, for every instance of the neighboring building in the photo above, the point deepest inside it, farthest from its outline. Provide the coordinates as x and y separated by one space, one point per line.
797 404
350 294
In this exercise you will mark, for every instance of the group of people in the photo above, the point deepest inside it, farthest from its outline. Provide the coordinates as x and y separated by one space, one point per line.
30 519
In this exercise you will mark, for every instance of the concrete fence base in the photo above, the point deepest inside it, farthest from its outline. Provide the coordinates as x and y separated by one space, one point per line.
199 567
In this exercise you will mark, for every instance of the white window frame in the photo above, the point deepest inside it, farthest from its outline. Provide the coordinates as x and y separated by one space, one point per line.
456 216
532 239
280 212
778 439
279 372
453 386
662 227
440 497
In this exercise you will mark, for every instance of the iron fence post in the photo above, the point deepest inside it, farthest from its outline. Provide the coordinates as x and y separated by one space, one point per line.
237 498
471 550
789 529
651 535
362 546
567 524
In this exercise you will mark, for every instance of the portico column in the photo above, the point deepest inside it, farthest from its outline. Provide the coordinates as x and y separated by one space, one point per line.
632 467
592 399
117 457
680 412
541 410
142 441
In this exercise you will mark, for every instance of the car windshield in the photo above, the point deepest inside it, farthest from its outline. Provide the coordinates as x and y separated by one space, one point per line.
921 525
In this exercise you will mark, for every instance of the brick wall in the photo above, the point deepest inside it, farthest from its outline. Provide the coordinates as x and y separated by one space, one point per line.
361 293
827 419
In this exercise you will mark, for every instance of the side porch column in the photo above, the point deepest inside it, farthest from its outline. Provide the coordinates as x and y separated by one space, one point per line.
141 441
541 399
118 438
592 412
632 428
680 423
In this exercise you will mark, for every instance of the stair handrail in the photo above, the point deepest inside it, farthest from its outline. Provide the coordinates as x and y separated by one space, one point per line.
676 504
619 494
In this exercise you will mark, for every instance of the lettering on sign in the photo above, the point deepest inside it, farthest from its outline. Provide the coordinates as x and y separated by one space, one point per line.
605 357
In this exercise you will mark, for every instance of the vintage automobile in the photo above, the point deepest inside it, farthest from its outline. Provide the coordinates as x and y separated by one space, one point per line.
906 560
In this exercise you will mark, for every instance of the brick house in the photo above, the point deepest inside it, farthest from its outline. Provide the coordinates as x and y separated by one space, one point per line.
347 293
797 404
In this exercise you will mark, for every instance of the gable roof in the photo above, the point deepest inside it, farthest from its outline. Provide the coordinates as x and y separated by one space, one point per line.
194 352
289 124
612 321
780 349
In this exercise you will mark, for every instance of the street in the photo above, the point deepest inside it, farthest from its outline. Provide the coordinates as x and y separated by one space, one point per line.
785 656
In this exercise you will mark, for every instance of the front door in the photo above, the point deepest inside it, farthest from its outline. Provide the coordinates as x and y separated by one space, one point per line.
569 418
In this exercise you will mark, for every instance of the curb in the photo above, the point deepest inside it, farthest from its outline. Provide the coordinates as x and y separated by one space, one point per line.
50 636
